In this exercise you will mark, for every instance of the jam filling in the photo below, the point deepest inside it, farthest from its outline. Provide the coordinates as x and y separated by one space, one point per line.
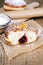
23 40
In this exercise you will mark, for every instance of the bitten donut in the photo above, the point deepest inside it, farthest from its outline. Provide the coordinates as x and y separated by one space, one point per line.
20 34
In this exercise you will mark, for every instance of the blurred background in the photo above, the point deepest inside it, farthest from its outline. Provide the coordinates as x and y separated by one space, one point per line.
28 1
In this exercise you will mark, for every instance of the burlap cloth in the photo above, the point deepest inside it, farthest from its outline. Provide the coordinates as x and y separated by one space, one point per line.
14 51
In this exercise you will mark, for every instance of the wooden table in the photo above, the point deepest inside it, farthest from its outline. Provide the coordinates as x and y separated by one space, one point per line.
33 58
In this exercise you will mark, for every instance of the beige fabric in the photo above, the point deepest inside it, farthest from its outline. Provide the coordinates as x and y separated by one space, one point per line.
14 51
34 57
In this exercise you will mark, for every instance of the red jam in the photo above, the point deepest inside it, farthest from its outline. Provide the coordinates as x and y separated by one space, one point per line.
23 40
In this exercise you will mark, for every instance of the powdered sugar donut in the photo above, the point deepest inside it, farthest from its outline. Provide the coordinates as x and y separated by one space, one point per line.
14 5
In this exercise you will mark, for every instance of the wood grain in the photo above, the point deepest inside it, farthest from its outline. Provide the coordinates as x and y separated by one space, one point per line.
25 14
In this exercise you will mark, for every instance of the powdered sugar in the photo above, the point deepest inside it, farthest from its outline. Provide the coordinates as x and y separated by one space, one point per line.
16 2
4 19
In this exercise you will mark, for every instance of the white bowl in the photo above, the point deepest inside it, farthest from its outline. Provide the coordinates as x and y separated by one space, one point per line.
3 25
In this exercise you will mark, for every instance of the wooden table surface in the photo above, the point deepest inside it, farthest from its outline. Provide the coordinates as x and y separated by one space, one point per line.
33 58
